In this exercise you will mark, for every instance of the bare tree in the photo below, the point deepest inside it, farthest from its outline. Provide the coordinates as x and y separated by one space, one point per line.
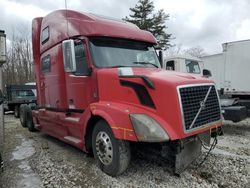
197 51
19 68
176 49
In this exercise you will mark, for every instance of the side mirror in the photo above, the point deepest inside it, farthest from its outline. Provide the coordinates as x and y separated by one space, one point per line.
206 73
1 97
69 56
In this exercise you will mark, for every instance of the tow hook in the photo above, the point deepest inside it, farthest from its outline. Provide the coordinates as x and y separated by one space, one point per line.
216 132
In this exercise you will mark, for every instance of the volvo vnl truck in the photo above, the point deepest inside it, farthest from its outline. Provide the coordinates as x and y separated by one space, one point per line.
100 87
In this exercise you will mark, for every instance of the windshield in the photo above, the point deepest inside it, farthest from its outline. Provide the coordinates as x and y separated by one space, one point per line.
193 67
110 52
22 93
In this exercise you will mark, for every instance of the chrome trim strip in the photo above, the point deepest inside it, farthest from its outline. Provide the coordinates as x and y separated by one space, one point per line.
72 119
181 107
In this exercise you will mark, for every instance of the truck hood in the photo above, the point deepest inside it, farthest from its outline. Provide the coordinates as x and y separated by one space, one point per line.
171 77
160 75
164 106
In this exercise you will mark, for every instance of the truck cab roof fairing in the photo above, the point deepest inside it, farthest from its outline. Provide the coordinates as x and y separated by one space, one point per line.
88 25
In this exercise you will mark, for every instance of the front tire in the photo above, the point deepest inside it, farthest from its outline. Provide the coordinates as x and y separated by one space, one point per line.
112 155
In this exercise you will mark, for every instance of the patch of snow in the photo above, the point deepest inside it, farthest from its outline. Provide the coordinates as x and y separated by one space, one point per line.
23 151
30 179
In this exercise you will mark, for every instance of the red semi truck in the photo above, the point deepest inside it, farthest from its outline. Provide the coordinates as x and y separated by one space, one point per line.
100 87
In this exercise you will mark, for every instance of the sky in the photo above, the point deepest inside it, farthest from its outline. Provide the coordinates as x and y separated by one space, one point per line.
204 23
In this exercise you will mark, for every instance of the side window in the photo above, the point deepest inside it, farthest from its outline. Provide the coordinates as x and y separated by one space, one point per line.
81 61
45 65
170 65
74 57
193 67
45 35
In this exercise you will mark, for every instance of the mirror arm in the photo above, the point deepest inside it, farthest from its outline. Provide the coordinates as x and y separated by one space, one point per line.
90 70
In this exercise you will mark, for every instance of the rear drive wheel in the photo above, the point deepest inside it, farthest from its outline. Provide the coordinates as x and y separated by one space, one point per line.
112 155
16 111
29 120
23 114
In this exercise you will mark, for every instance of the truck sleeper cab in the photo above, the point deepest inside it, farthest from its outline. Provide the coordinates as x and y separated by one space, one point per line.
100 88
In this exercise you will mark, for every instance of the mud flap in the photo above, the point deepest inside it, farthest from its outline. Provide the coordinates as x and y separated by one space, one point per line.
186 155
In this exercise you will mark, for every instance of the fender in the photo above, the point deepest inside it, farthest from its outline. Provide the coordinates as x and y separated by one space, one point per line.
117 116
119 121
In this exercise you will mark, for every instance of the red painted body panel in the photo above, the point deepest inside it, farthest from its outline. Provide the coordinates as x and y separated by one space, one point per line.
121 124
101 94
165 96
53 84
36 28
81 89
84 24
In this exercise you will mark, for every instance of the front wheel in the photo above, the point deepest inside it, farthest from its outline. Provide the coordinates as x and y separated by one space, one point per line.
112 155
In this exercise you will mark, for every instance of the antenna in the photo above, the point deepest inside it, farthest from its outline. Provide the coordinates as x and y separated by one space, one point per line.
66 15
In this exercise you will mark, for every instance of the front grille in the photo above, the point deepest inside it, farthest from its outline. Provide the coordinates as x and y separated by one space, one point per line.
197 113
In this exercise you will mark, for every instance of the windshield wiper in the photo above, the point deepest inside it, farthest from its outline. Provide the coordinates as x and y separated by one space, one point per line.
145 63
117 66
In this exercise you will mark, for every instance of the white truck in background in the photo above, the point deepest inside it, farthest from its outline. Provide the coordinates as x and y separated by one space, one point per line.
185 63
229 70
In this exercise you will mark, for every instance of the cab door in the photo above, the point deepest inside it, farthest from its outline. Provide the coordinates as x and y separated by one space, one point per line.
78 75
79 84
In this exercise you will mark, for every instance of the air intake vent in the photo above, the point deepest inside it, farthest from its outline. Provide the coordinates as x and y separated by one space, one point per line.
200 106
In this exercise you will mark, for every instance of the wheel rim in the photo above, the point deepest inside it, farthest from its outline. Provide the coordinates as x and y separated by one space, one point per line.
104 148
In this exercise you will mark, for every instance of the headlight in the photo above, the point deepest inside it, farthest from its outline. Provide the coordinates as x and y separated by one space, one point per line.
147 129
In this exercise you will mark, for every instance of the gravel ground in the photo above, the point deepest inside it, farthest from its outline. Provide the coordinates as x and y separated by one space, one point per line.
38 160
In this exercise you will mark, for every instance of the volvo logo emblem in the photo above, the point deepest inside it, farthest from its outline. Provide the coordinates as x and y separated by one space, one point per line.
202 105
